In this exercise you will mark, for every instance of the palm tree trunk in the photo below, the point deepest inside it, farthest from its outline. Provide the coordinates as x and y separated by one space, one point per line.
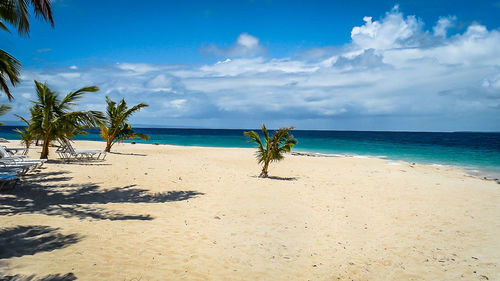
108 147
45 149
263 174
109 143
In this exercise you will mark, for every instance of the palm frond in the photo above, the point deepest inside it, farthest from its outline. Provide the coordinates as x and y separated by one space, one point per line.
4 108
15 12
72 97
43 9
9 69
22 119
4 27
266 134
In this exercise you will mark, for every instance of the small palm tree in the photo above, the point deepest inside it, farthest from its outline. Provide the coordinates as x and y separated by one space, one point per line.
26 134
116 128
52 119
282 141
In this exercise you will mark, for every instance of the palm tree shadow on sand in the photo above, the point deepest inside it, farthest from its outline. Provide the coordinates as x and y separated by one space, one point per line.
57 198
32 239
29 240
278 178
51 277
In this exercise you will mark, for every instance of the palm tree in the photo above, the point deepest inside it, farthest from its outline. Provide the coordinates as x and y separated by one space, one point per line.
282 141
116 128
15 12
52 119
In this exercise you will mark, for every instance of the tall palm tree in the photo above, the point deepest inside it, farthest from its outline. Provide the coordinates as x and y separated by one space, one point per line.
116 128
52 118
16 13
273 148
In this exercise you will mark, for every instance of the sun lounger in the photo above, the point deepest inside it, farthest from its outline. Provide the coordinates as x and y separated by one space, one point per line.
19 167
16 150
66 151
17 159
4 153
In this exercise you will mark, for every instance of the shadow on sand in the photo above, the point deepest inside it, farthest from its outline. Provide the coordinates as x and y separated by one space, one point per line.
282 178
132 154
55 197
81 162
51 277
29 240
279 178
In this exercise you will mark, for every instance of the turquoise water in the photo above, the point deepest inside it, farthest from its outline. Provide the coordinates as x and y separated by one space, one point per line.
467 149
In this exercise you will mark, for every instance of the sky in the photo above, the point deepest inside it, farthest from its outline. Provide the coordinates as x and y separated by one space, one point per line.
412 65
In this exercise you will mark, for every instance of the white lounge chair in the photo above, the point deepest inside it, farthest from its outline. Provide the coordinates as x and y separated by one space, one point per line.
66 151
9 166
16 150
19 159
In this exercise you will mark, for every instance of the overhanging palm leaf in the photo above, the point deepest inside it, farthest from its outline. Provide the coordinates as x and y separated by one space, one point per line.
274 148
9 72
15 12
3 110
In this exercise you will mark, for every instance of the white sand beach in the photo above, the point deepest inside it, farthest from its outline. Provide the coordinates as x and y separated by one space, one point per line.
190 213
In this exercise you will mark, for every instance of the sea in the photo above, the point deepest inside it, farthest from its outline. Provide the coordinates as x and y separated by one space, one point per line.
477 152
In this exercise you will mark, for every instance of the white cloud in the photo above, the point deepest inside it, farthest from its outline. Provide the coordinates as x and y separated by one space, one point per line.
248 41
390 32
443 24
73 67
393 75
139 68
246 46
70 75
492 82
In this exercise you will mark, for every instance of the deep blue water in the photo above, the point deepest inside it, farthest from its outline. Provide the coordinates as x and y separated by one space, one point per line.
468 149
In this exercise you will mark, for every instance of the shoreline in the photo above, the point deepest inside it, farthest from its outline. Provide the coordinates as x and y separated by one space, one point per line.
473 171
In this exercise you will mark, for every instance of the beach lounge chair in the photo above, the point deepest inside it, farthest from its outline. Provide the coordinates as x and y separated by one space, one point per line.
67 151
19 159
16 167
17 150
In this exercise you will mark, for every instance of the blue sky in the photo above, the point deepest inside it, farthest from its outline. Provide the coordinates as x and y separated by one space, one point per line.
358 65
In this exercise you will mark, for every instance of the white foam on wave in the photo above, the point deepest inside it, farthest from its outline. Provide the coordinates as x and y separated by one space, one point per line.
360 156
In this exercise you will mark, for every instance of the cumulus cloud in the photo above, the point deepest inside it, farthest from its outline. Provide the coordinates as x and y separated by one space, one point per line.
394 75
246 46
443 24
391 32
